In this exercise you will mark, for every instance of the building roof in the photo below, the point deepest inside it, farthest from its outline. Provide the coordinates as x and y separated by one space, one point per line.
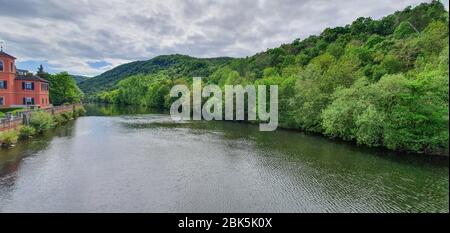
6 55
31 78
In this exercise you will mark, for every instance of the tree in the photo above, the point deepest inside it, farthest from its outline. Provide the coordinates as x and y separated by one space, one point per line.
391 64
403 30
63 89
41 73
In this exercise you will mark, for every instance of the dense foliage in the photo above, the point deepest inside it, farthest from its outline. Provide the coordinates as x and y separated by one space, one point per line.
63 89
377 82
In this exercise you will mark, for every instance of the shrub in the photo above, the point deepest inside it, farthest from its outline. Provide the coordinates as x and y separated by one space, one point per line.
41 121
27 131
59 119
67 116
80 111
9 138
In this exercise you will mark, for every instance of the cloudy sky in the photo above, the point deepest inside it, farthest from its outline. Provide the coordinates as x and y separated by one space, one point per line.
88 37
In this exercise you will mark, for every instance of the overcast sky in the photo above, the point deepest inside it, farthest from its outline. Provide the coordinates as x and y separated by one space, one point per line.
89 37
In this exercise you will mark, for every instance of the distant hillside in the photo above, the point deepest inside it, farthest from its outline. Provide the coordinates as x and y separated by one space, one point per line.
79 78
177 65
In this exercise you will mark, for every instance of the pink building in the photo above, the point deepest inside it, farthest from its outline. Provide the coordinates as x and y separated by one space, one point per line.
20 89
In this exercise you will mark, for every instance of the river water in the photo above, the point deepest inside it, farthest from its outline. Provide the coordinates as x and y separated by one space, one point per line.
130 160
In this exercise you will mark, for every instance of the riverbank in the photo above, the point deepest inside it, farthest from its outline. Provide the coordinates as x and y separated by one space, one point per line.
26 124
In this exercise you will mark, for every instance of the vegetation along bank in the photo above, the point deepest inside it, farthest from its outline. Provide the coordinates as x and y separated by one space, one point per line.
37 122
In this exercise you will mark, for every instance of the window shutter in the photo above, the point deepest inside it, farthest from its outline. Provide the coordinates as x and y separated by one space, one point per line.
24 101
23 85
5 84
32 101
32 86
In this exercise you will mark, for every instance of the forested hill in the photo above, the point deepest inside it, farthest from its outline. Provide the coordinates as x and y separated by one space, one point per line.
368 36
300 52
80 78
376 82
174 65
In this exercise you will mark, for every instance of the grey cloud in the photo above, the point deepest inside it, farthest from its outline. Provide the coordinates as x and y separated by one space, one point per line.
56 10
159 23
69 33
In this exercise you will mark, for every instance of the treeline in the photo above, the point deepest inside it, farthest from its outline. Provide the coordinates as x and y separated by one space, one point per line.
377 82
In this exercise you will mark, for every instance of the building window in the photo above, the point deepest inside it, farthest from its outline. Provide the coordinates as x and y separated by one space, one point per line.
2 100
28 101
44 87
3 84
1 65
28 86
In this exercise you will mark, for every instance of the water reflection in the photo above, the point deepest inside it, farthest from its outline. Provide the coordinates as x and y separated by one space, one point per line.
140 162
349 175
116 110
10 158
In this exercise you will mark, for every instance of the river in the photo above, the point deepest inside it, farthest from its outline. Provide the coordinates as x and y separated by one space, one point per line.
120 159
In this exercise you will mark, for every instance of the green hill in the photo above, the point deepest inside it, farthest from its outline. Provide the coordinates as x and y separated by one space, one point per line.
79 78
175 65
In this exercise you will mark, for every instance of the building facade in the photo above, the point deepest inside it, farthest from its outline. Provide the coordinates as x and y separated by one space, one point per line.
19 88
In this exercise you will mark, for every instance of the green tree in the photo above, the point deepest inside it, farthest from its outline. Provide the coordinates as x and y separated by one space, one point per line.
404 30
63 89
